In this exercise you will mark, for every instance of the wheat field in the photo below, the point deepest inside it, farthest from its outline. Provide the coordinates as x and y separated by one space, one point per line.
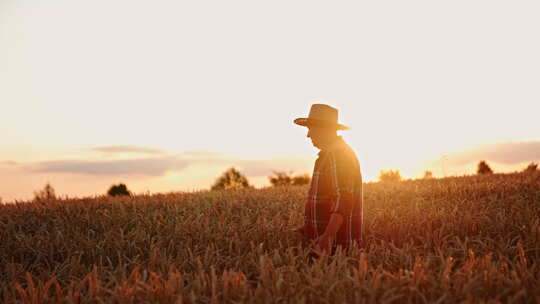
473 239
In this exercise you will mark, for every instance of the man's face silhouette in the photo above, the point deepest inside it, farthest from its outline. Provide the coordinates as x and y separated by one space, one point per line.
320 136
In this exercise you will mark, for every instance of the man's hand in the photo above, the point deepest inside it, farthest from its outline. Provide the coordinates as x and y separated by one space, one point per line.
325 242
299 230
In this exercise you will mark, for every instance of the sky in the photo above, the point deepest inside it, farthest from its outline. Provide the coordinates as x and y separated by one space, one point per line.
166 95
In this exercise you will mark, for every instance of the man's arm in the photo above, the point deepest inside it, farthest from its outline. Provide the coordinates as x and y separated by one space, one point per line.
326 240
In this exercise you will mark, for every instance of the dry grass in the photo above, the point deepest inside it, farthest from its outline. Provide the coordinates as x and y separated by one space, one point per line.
464 239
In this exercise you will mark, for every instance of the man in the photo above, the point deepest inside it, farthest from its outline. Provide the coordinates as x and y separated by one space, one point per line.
333 212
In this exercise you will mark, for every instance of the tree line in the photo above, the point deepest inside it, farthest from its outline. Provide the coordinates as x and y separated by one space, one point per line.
230 179
234 179
481 169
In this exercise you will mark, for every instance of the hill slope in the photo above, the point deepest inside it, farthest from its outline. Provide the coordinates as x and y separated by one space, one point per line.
454 239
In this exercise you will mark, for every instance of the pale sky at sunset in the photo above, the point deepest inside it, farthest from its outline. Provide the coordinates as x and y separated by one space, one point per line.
166 95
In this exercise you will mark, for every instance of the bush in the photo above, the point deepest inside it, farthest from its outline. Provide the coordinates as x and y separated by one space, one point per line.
231 179
531 168
483 168
428 174
301 180
286 179
45 194
119 190
389 176
280 179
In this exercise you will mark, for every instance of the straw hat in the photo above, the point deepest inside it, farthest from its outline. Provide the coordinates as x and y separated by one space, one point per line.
323 116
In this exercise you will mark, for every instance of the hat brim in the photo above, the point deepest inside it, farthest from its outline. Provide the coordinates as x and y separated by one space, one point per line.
308 122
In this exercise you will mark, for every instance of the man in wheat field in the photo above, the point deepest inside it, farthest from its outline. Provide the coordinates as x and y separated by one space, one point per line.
333 211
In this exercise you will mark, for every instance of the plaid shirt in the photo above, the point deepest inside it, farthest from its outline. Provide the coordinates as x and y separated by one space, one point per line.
336 186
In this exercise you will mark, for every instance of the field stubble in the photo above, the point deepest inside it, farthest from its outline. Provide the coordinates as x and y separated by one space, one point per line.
461 239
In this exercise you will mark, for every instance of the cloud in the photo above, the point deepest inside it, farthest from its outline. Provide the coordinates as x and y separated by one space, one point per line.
201 154
8 163
145 166
504 153
159 166
265 167
127 149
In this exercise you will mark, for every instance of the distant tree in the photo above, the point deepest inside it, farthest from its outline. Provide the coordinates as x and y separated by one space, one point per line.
47 193
280 179
119 190
389 176
428 174
301 180
483 168
231 179
286 179
531 168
